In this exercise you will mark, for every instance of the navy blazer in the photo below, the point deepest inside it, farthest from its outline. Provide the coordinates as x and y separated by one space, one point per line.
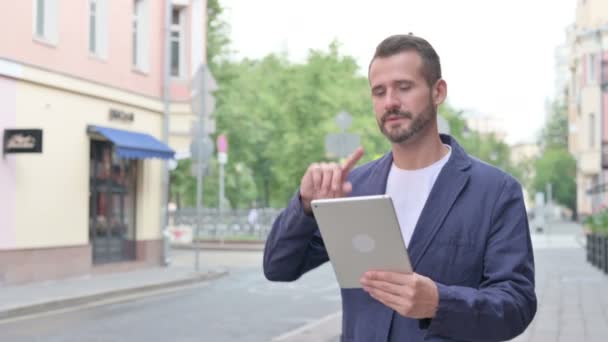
472 239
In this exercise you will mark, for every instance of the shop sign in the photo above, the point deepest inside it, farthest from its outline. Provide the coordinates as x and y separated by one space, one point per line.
119 115
22 141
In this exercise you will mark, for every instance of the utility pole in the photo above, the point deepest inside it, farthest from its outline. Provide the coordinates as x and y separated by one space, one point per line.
165 166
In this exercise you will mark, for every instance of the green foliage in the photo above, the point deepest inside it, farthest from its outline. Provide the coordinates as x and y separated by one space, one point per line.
557 167
218 41
276 115
598 222
555 133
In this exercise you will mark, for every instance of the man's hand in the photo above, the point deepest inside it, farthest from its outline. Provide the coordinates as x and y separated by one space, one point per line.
411 295
327 180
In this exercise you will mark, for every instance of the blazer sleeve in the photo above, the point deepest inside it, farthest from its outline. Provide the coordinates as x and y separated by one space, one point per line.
505 302
294 245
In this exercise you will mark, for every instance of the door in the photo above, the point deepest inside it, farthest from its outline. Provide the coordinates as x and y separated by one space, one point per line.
112 200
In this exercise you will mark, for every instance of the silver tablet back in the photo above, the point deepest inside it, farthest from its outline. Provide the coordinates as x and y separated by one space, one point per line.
361 234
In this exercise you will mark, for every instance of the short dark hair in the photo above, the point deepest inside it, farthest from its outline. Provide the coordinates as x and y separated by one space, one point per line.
431 68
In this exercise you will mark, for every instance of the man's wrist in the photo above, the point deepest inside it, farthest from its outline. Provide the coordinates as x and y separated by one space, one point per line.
306 208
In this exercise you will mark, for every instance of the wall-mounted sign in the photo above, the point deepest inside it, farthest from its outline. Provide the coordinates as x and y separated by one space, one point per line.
22 141
119 115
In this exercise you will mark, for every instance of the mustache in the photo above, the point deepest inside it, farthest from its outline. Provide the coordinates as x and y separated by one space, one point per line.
396 113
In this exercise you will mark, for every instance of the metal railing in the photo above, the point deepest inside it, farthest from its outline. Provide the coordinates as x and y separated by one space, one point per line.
233 224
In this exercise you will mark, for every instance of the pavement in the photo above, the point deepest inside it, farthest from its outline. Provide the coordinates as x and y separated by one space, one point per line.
39 297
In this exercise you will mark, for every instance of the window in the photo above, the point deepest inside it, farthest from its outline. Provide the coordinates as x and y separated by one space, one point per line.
97 27
140 35
45 23
591 66
591 130
93 26
177 42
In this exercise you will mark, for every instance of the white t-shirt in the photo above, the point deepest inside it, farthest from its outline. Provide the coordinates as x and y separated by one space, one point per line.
409 190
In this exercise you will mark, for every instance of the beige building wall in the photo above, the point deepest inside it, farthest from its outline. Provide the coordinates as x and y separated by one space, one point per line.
52 203
589 36
591 13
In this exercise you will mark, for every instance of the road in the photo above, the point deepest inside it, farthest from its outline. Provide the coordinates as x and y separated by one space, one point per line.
242 306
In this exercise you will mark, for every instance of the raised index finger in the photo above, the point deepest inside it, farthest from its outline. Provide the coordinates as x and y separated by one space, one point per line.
351 161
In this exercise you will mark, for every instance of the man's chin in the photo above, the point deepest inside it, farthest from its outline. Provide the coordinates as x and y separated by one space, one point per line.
398 138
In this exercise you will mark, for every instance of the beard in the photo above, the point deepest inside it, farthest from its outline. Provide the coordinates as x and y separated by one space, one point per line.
401 134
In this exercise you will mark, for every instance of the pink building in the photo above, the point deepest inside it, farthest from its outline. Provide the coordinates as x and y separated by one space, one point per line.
82 113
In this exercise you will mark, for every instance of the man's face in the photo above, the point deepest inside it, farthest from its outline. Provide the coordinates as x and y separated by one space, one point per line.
403 100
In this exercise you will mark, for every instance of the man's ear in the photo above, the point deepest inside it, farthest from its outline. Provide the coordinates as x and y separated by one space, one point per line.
440 92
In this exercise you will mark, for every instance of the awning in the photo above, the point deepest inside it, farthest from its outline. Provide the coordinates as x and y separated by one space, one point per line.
131 145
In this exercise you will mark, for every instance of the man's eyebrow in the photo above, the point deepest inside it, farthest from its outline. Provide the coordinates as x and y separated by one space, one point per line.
408 82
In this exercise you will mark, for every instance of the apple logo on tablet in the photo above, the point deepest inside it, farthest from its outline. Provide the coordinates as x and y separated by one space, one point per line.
363 243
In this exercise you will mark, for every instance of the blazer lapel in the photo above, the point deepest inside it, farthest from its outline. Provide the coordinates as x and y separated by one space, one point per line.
376 184
449 184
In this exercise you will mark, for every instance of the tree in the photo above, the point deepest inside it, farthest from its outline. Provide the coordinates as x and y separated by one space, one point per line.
276 114
555 133
556 166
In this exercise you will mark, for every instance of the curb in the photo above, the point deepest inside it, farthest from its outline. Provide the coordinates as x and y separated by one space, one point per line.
227 246
75 301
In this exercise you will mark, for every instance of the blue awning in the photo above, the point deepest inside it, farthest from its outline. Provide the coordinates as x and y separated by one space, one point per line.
131 145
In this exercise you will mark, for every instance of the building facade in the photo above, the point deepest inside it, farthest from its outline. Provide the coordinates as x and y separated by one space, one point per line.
588 103
82 87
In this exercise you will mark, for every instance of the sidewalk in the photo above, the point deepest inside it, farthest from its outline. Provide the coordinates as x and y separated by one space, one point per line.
572 296
27 299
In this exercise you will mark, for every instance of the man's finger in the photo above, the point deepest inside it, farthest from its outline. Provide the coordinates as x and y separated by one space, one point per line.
336 180
317 176
382 286
326 184
391 300
347 188
352 160
390 277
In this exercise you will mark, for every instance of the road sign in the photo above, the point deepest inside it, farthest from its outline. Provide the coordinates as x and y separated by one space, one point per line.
206 171
207 145
209 126
222 157
222 143
202 87
344 120
340 145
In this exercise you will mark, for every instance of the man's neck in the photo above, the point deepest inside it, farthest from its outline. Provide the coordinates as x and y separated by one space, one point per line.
420 152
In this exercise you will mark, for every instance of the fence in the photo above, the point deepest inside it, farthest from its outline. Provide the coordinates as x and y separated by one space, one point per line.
235 224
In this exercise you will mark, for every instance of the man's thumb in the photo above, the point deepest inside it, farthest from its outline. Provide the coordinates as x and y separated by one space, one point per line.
347 188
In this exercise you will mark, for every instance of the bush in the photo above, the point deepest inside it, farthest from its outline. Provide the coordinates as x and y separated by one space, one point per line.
598 222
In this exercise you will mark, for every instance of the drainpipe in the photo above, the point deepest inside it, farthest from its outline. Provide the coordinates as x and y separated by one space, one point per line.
165 165
601 111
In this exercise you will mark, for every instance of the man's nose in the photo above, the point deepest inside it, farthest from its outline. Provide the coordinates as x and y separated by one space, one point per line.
391 101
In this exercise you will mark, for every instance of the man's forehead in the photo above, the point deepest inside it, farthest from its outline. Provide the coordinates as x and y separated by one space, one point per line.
407 62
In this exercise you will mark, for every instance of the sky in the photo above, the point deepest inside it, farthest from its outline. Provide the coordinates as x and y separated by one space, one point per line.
498 56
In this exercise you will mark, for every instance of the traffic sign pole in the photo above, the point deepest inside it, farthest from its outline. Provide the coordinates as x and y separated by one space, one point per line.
203 104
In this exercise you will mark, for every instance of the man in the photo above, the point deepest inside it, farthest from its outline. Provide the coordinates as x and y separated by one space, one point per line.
464 221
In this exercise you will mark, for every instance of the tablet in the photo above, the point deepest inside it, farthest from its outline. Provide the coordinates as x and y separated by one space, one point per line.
361 234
